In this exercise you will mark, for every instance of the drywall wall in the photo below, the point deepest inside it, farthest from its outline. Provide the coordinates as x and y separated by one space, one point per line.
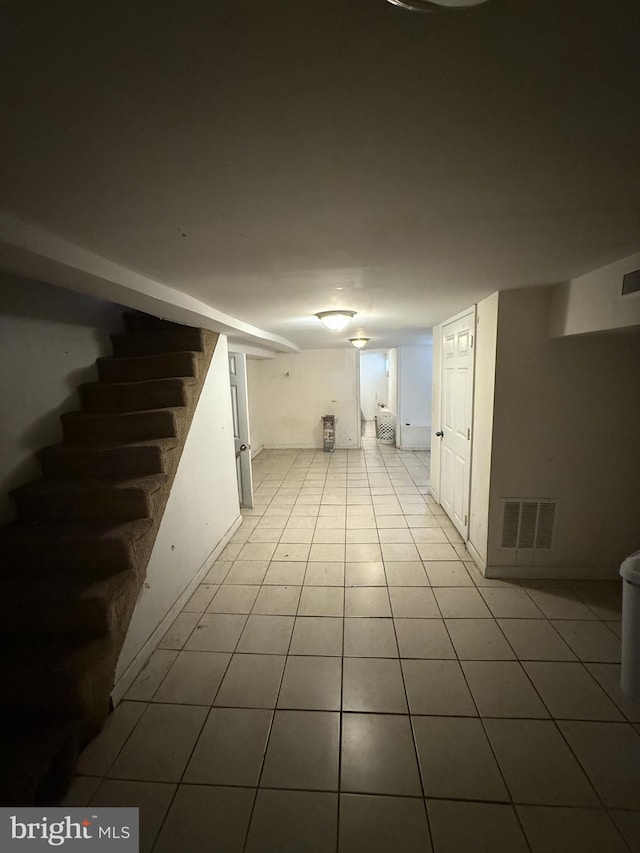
415 368
288 395
565 426
593 302
483 404
49 341
392 357
202 509
374 383
255 409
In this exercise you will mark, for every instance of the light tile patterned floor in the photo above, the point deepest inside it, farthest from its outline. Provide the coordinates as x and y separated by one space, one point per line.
345 679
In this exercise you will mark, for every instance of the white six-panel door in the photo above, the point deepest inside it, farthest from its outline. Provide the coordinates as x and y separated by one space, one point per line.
457 412
240 412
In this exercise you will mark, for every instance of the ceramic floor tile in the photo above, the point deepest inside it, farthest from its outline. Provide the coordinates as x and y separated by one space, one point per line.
218 572
610 755
437 687
367 601
365 536
429 535
101 752
591 641
194 678
395 536
266 635
266 535
231 747
423 638
562 830
176 727
478 639
80 792
201 598
373 685
151 676
558 602
152 798
447 573
406 574
400 553
456 760
603 598
363 553
324 574
190 827
365 574
370 638
321 601
413 602
570 692
329 537
378 755
311 683
303 523
291 553
391 522
383 824
247 572
277 601
502 689
608 676
296 536
431 551
628 824
535 639
330 553
216 632
285 574
461 603
512 603
538 766
317 635
293 822
459 827
303 751
251 681
233 598
179 632
257 551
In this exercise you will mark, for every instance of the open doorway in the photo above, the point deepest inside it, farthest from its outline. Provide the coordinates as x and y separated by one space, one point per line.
374 389
242 439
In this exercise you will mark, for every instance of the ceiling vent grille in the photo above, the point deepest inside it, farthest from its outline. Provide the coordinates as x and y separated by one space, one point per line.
631 283
528 523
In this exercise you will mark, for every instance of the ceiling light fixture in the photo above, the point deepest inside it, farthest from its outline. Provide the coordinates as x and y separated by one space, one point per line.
434 5
359 343
336 320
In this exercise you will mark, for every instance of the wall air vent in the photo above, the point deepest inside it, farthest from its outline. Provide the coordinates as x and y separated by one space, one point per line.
528 523
631 283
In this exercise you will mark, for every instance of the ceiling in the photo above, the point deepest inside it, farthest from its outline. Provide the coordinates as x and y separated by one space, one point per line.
274 159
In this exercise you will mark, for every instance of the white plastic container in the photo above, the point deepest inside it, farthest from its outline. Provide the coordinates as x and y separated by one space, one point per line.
630 670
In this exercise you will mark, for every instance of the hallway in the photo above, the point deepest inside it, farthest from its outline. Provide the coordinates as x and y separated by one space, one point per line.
345 679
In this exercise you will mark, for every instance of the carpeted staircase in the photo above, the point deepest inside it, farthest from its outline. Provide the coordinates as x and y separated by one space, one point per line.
76 558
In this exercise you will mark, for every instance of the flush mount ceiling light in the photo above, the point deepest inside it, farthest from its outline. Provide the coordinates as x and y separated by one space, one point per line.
336 320
435 5
359 343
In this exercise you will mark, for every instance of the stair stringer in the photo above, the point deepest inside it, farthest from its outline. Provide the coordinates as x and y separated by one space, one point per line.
201 513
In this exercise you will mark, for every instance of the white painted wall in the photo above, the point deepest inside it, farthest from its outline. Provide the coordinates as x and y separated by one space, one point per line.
374 383
566 427
415 369
392 355
202 510
289 394
592 302
49 341
483 405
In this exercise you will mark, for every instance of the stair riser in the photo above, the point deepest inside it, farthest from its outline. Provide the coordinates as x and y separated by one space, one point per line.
116 398
121 504
134 427
167 366
96 559
181 340
103 465
89 617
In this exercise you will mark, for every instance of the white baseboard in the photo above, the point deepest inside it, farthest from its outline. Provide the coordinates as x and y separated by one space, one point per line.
477 559
137 664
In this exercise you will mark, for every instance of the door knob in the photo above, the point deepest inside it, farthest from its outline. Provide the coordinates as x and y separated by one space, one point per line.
439 433
243 447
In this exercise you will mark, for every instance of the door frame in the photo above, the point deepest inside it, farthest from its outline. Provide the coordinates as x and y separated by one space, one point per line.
243 459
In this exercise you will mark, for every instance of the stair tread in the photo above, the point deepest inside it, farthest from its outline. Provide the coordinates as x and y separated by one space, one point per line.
61 532
149 356
165 380
55 585
100 416
138 446
147 483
